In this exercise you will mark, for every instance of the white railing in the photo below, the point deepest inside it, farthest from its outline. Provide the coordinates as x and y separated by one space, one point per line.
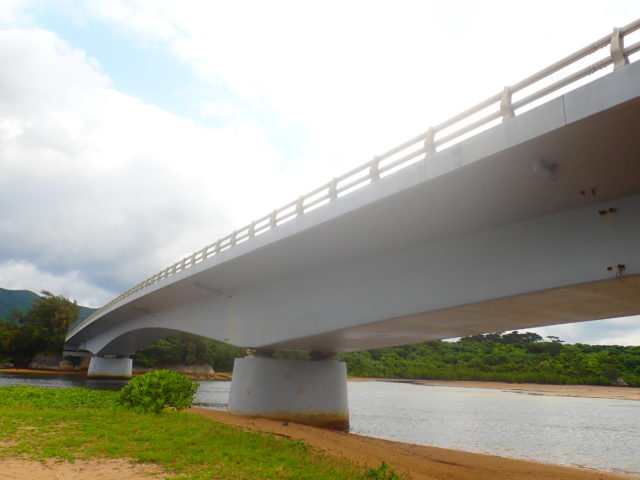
446 133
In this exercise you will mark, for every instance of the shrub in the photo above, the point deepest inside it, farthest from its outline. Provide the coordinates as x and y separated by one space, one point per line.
155 390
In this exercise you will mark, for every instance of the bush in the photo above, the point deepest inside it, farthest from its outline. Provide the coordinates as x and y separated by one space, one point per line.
155 390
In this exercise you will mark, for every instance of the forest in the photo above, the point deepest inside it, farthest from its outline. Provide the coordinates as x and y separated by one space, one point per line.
509 357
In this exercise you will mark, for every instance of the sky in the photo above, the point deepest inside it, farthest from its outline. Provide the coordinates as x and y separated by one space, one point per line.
134 132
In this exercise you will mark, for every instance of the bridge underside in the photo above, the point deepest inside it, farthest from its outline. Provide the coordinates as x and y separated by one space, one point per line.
576 303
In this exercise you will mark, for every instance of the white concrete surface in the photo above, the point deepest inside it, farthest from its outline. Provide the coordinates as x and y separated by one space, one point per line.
310 392
110 367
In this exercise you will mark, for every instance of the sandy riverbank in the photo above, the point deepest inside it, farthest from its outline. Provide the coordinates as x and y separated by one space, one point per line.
421 462
586 391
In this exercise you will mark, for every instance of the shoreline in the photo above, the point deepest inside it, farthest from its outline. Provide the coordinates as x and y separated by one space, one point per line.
419 461
584 391
216 377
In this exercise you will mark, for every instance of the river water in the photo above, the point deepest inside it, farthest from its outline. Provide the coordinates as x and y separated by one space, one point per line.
591 433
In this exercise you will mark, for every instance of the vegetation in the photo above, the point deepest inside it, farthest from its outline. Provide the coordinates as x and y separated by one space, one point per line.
156 390
188 349
511 357
42 329
83 424
23 300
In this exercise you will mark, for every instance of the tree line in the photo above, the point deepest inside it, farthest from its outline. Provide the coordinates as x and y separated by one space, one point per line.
509 357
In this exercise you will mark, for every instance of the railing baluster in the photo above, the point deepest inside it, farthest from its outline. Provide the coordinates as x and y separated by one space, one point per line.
300 206
374 169
333 189
506 108
429 141
617 50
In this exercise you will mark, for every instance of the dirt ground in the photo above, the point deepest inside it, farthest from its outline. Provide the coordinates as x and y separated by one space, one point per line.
98 469
420 462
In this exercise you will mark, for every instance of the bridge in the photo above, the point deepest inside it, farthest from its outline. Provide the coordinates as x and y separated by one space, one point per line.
520 212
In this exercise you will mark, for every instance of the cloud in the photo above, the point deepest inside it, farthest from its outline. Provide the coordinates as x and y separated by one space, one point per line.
26 276
362 76
613 331
97 182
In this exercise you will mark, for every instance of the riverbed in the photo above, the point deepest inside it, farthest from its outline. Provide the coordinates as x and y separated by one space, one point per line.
594 433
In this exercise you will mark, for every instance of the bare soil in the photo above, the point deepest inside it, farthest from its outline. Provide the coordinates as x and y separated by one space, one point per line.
96 469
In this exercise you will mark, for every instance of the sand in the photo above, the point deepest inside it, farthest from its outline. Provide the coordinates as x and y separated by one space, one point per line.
96 469
585 391
420 462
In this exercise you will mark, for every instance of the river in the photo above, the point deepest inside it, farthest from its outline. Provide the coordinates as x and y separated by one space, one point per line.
600 434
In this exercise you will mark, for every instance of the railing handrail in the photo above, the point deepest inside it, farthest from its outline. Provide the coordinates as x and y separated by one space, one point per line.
370 171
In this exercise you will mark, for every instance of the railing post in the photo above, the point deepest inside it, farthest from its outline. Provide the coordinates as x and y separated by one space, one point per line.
617 50
333 189
252 229
204 253
273 219
429 141
374 169
232 238
506 109
300 206
218 246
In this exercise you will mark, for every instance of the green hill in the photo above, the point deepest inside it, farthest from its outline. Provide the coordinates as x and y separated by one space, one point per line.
23 299
15 300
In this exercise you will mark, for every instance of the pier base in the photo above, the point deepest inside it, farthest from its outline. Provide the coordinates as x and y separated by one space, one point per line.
110 367
310 392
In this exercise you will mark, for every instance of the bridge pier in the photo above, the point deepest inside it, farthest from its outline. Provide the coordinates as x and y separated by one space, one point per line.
310 392
114 367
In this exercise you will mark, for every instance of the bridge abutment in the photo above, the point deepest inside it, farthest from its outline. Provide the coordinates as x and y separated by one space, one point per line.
310 392
110 367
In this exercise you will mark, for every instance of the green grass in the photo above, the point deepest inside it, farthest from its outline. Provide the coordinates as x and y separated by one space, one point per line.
69 424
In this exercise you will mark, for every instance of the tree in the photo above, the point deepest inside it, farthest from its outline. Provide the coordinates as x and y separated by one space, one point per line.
42 329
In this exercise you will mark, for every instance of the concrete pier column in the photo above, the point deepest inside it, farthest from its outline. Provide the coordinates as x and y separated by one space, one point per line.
110 367
310 392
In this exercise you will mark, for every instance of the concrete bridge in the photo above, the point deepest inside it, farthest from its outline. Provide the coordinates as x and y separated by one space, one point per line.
522 211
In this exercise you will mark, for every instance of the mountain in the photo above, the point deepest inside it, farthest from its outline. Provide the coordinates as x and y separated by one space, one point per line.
23 299
15 300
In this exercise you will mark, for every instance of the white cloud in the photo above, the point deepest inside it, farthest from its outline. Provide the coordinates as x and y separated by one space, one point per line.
97 181
26 276
364 75
613 331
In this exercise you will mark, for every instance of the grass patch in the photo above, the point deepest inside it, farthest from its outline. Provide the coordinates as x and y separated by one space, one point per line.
77 423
